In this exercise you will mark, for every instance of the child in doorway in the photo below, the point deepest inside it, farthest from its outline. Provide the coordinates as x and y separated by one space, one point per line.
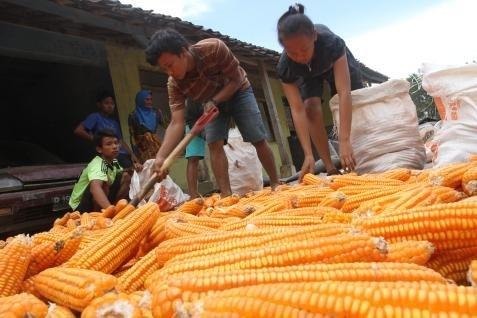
102 182
103 120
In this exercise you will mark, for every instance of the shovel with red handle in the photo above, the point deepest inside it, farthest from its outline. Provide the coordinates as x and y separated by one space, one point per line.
200 124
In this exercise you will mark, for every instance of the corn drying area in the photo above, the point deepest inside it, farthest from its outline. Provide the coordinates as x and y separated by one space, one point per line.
402 243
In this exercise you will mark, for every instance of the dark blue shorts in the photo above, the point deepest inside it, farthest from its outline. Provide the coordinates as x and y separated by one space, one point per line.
243 108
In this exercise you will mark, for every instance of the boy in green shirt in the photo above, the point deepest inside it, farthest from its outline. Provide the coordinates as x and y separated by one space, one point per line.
102 182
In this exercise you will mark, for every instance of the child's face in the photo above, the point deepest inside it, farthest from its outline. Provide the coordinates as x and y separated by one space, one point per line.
173 65
106 106
300 48
109 148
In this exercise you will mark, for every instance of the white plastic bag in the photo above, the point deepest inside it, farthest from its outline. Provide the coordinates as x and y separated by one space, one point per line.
455 91
166 193
384 128
245 169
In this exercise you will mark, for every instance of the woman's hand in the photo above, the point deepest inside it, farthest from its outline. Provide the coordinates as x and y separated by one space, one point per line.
307 167
348 163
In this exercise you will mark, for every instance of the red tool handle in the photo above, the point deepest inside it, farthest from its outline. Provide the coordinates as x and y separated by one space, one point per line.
203 120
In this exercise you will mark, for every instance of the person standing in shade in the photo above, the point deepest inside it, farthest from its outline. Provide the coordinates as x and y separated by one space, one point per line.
143 124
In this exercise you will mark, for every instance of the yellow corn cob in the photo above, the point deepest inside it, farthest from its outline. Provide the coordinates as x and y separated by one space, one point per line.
199 220
417 252
227 201
28 286
72 287
447 226
55 311
469 181
472 273
330 298
144 300
334 200
128 209
405 197
68 247
354 201
177 228
402 174
14 261
344 180
357 189
237 210
334 249
450 175
311 179
22 305
190 286
117 243
209 201
110 211
272 221
156 235
307 211
453 264
112 305
273 238
133 279
307 199
192 207
447 194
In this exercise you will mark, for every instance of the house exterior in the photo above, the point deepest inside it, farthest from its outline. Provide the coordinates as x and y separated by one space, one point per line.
56 55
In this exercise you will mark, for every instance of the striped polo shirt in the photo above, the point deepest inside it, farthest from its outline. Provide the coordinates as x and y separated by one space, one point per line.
215 64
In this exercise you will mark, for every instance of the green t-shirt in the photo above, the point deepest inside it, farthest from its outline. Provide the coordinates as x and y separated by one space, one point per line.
97 169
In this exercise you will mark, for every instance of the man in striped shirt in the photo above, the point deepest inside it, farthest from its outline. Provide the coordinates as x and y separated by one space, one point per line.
208 72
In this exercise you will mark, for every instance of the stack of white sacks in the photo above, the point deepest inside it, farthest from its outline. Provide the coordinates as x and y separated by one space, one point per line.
455 92
384 129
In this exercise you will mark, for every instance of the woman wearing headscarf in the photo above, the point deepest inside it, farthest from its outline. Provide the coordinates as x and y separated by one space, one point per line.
143 124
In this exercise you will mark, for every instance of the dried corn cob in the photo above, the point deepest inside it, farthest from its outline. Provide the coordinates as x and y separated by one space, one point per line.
227 201
22 305
417 252
344 180
450 175
469 181
447 226
354 201
192 207
453 264
134 278
56 311
305 233
311 179
72 287
402 174
14 261
128 209
177 228
116 245
334 200
190 286
353 299
112 305
334 249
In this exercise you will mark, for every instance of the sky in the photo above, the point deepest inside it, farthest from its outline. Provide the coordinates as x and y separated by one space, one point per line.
391 37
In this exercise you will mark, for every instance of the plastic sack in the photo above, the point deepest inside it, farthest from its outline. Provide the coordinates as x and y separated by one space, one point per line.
245 169
166 193
427 132
455 92
384 128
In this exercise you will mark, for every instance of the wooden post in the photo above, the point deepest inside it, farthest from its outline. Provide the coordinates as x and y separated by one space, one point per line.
286 169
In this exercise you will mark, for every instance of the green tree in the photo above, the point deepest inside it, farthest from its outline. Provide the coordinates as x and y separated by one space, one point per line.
425 106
